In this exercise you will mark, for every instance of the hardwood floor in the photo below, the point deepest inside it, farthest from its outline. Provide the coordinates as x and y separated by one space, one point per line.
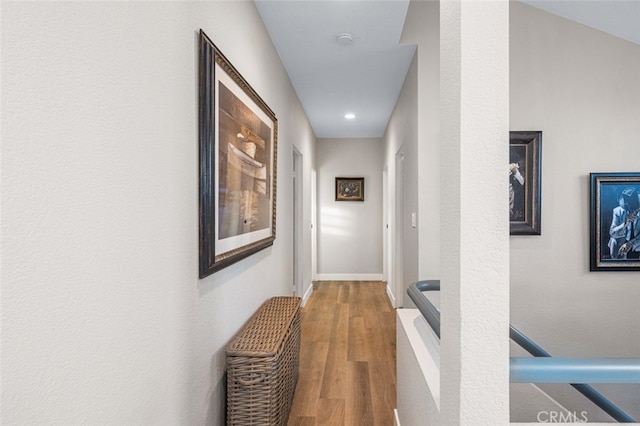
347 357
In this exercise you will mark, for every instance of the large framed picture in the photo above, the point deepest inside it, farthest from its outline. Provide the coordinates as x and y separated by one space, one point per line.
525 149
238 150
615 222
349 189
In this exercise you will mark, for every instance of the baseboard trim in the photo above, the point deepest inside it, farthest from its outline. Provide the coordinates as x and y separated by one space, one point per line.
391 297
307 295
349 277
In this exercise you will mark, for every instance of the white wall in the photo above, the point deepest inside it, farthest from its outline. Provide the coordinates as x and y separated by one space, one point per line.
401 139
418 350
414 129
103 317
422 28
474 75
349 232
581 88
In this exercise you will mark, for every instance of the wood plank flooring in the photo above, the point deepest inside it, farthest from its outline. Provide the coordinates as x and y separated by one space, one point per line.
347 357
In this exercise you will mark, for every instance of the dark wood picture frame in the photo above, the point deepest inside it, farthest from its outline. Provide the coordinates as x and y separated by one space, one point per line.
349 189
525 154
615 221
238 136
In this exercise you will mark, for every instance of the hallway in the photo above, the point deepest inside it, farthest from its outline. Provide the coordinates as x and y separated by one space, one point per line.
347 357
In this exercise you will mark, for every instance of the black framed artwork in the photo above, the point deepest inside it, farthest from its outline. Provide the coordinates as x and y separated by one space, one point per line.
615 221
525 149
238 151
349 189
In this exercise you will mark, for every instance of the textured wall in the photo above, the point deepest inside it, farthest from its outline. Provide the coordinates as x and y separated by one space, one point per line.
103 317
474 82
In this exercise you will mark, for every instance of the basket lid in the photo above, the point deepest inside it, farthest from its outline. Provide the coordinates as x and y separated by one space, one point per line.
263 334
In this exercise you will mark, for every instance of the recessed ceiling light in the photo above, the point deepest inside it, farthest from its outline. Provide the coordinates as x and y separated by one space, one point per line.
349 116
344 39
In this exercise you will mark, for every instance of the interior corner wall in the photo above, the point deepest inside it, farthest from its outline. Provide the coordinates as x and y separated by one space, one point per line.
104 318
581 88
349 232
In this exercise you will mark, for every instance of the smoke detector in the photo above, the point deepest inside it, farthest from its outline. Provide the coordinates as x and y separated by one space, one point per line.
344 39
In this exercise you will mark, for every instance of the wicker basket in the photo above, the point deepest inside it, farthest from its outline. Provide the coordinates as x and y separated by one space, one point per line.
262 365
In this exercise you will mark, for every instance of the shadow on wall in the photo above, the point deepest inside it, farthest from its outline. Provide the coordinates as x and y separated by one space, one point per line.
217 410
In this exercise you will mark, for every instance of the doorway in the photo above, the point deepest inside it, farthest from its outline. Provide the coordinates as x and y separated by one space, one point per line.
398 230
387 252
297 223
314 233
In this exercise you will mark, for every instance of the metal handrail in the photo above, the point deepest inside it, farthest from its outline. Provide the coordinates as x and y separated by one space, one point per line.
547 369
575 370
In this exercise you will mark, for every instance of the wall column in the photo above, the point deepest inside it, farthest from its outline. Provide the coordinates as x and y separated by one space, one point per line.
474 90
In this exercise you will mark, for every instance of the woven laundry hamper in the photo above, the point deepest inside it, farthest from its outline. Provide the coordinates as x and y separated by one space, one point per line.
262 365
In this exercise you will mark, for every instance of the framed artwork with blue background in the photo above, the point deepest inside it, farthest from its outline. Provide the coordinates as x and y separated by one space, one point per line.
615 222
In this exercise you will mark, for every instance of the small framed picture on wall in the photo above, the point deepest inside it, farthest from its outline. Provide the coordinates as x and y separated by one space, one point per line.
525 149
349 189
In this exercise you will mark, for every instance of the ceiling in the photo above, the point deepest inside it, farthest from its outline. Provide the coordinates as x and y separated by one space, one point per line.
364 77
620 18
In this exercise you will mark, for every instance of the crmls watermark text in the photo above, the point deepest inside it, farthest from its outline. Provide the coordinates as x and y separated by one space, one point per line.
562 417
